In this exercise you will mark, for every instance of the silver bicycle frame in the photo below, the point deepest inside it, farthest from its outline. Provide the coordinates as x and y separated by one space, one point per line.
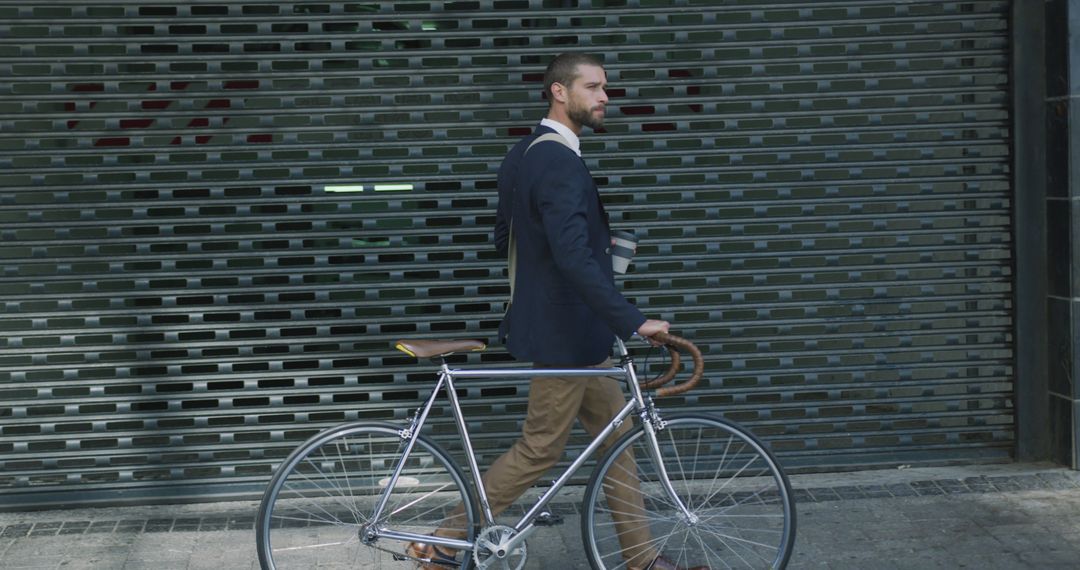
525 525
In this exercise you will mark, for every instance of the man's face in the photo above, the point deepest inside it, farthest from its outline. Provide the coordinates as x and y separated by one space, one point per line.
586 98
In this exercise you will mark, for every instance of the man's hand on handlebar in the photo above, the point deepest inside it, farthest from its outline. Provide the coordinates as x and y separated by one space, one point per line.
651 327
675 345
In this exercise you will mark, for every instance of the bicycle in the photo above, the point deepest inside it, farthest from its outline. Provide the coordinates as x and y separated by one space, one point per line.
356 495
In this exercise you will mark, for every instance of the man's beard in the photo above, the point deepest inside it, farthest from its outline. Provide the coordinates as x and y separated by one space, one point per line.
584 116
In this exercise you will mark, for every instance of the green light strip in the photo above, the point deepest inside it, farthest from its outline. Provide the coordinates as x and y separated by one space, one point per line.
393 187
360 187
345 188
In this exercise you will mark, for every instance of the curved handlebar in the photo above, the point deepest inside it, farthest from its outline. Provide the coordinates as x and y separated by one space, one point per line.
676 344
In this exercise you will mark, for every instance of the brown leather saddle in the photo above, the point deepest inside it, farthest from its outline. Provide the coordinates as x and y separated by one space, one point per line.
431 348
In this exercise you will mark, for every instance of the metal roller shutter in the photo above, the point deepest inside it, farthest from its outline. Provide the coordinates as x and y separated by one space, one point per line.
193 280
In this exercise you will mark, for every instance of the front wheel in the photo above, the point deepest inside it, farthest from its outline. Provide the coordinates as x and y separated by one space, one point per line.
742 514
318 504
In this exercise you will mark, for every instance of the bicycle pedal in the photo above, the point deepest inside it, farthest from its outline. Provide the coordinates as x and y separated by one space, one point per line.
548 519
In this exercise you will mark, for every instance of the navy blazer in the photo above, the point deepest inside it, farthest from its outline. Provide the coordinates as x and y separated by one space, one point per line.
566 309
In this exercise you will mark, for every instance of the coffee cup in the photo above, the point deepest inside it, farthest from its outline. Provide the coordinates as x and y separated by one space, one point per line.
623 247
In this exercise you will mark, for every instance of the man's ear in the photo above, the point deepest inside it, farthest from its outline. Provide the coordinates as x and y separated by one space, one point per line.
558 91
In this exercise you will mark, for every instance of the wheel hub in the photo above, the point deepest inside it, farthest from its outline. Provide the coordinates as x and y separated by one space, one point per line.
367 534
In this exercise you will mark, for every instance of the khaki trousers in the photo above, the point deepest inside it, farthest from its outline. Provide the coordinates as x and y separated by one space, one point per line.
554 403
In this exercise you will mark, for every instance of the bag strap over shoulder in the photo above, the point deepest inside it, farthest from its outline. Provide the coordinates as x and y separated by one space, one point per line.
554 137
511 248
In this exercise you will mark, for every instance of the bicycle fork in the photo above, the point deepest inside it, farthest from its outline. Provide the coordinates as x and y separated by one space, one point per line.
652 423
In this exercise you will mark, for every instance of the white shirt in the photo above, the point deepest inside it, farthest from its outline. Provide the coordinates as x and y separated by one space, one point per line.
575 143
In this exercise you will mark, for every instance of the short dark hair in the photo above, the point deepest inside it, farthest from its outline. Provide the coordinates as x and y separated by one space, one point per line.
563 70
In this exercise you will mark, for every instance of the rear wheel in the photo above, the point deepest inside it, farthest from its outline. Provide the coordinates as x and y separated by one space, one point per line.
740 501
318 503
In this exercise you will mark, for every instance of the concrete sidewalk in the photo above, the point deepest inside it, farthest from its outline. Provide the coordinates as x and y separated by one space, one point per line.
987 517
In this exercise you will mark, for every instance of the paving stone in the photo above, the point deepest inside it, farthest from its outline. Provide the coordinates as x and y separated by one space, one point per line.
901 490
1029 482
101 526
186 524
159 525
241 523
927 488
214 523
46 529
130 525
826 494
849 492
953 487
74 527
16 530
875 491
979 485
1059 481
1004 483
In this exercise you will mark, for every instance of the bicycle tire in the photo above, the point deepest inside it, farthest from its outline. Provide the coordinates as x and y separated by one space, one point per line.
315 506
725 476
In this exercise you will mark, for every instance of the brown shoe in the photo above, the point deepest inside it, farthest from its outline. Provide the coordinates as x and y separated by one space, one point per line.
662 563
430 557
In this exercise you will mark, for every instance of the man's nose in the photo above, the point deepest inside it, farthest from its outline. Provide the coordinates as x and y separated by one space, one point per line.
603 96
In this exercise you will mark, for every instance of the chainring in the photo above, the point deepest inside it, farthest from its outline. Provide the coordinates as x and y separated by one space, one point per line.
491 553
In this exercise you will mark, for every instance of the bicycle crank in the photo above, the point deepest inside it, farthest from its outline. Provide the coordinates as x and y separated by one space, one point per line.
493 551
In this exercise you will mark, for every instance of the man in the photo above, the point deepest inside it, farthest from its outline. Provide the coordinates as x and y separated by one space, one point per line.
565 310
